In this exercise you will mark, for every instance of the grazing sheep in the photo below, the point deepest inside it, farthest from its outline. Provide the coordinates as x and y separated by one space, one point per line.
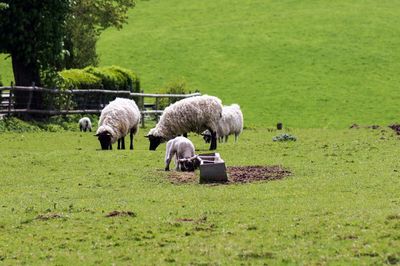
117 119
183 150
230 123
85 124
194 114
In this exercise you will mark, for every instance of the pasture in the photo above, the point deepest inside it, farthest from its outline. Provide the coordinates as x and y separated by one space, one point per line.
340 205
316 66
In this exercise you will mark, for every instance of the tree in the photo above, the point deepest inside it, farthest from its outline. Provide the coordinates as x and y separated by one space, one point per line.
86 21
32 33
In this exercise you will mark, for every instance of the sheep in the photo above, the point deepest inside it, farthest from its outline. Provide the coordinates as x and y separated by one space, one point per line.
230 123
194 114
183 150
117 119
85 124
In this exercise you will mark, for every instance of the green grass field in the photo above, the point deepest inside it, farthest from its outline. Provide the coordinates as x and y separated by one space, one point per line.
316 66
340 206
310 64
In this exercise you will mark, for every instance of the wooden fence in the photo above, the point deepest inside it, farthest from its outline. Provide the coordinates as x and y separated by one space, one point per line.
64 102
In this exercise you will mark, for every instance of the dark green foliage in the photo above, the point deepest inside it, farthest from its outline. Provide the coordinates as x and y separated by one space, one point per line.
87 19
175 87
107 78
52 124
80 79
32 32
116 78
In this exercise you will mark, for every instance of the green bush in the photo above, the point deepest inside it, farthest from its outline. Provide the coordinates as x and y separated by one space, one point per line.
174 87
131 80
107 78
80 79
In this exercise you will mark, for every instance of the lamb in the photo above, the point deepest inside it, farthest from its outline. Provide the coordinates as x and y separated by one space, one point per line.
183 150
117 119
230 123
194 114
85 124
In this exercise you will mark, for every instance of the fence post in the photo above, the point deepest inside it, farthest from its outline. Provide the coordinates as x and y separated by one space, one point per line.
141 102
10 98
157 107
28 107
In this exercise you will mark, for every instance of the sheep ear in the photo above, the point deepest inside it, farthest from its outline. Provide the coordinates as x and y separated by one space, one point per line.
96 135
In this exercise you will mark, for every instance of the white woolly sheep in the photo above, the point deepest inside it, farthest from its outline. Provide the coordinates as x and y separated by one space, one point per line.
230 123
85 124
117 119
183 150
194 114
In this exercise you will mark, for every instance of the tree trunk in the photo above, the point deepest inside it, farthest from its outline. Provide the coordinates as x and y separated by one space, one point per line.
24 75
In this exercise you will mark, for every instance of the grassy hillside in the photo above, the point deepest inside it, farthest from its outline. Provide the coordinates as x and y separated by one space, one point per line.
340 206
306 63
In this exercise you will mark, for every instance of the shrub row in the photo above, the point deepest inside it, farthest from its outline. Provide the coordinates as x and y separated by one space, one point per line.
107 78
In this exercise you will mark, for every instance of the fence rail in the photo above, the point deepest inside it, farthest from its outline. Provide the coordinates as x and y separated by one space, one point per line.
64 102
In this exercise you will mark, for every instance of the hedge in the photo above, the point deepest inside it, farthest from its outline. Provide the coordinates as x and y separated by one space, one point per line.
107 78
79 79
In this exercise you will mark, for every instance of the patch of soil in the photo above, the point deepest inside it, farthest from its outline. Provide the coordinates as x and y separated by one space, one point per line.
48 216
236 174
247 174
355 126
396 128
121 213
176 177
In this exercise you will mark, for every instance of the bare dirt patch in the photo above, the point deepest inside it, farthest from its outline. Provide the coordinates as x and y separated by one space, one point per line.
247 174
236 174
396 128
49 216
120 213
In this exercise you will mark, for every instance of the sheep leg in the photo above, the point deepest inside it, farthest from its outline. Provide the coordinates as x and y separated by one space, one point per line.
169 153
213 145
123 143
185 135
80 128
119 144
110 146
226 138
131 138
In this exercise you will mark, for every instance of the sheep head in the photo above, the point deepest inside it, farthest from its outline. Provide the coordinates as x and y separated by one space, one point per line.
105 139
207 136
154 142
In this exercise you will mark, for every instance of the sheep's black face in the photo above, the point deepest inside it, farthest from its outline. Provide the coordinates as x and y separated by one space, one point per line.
206 136
105 140
187 166
154 142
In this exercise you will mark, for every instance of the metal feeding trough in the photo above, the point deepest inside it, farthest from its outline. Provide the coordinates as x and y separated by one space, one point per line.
212 168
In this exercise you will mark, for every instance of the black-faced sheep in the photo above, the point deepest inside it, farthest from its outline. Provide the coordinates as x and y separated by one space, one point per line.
85 124
230 123
183 150
194 114
117 119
